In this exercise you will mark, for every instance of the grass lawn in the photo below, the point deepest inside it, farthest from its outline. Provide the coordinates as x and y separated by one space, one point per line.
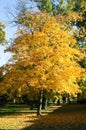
66 117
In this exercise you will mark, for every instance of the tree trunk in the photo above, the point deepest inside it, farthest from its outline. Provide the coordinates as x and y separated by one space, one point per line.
31 105
40 102
44 103
14 100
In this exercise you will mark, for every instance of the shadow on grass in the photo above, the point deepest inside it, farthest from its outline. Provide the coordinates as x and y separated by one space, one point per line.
67 117
15 109
18 109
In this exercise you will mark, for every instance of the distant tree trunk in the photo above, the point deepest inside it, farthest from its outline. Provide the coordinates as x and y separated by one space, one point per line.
40 102
68 99
31 105
43 103
58 102
44 100
46 104
78 96
14 100
69 102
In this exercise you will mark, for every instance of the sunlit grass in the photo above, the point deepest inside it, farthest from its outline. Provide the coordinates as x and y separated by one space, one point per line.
67 117
20 116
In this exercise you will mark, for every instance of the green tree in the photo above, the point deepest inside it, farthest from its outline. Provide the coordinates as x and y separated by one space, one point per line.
57 6
81 24
46 5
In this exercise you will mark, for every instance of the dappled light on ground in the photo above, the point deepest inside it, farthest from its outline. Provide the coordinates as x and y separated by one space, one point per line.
67 117
17 121
17 117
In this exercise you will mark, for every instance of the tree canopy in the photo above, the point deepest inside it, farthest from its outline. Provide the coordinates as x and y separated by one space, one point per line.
47 58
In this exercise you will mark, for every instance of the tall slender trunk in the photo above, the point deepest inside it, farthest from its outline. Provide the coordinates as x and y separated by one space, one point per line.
40 102
14 100
46 104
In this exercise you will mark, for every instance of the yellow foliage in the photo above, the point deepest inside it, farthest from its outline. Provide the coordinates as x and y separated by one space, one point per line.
46 58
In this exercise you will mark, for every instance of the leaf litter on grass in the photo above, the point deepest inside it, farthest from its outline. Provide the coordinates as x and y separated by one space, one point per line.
65 118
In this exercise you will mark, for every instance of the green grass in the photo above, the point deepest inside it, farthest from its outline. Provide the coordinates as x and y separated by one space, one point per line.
20 117
15 108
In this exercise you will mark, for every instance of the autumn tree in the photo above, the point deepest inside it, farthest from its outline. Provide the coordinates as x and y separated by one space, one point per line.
2 33
73 15
2 41
45 59
47 45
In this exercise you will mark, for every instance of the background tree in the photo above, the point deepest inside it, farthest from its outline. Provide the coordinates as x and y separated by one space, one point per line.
2 41
2 33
